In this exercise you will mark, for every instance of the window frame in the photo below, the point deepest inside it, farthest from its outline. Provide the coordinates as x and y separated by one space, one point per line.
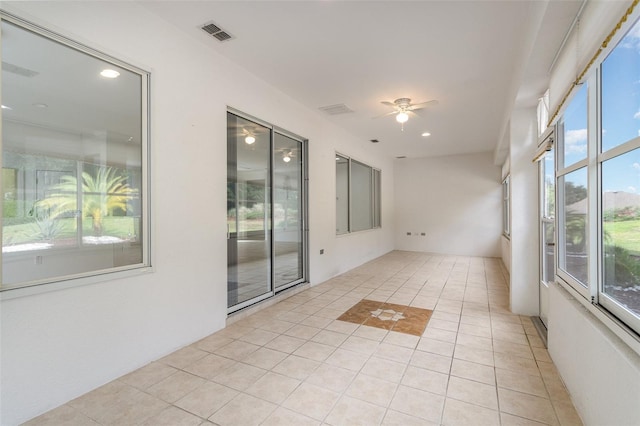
375 179
70 280
622 321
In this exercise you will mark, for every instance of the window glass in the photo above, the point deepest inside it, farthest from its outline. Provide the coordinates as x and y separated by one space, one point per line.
621 229
73 161
574 128
574 201
621 92
361 197
342 194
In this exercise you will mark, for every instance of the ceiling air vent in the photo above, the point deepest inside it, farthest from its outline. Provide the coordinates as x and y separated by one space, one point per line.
374 141
336 109
400 157
215 31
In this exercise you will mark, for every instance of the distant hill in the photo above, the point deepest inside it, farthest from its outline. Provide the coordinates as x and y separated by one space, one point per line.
611 200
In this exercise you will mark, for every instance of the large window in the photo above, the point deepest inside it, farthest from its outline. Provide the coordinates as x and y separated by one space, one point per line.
619 161
74 149
358 196
598 185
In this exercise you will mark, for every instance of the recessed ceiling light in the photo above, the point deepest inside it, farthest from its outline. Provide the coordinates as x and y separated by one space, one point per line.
109 73
41 105
6 107
426 134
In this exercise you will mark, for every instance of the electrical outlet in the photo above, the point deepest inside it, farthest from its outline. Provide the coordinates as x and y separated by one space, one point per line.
423 234
408 233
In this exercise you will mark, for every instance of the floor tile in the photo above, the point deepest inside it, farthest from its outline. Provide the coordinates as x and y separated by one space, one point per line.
265 358
360 345
527 406
436 347
396 418
473 371
311 401
273 387
328 337
172 416
236 350
64 415
418 403
371 389
462 413
286 344
353 412
175 386
314 351
296 367
521 382
284 417
347 359
148 375
385 369
393 352
426 380
511 420
243 410
333 378
206 399
473 392
302 331
239 376
184 357
259 337
439 363
479 356
209 366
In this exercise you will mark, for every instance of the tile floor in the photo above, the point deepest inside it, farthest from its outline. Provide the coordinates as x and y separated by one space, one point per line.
294 363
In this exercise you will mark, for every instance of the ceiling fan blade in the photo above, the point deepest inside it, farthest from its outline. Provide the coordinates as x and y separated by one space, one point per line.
424 104
388 103
384 115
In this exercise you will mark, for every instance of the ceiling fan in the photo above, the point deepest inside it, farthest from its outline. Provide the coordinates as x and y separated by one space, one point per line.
403 106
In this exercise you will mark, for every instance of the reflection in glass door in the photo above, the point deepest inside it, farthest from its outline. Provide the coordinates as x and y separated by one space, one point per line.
287 211
266 240
248 206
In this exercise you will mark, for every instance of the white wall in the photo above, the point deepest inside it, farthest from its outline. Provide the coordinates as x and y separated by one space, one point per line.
455 200
60 344
602 373
524 213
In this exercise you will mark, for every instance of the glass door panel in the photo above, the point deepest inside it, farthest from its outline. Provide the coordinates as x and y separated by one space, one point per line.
287 211
248 211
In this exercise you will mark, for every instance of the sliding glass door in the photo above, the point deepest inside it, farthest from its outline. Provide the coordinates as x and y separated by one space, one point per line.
266 240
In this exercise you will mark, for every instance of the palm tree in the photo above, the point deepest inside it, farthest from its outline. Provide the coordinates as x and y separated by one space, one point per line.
102 195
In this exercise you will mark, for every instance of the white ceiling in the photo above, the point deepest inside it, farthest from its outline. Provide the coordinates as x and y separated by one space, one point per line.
477 58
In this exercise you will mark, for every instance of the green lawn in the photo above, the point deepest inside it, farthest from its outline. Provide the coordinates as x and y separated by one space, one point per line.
625 234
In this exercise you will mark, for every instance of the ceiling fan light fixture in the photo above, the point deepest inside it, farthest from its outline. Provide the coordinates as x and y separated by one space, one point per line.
249 139
402 117
286 158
